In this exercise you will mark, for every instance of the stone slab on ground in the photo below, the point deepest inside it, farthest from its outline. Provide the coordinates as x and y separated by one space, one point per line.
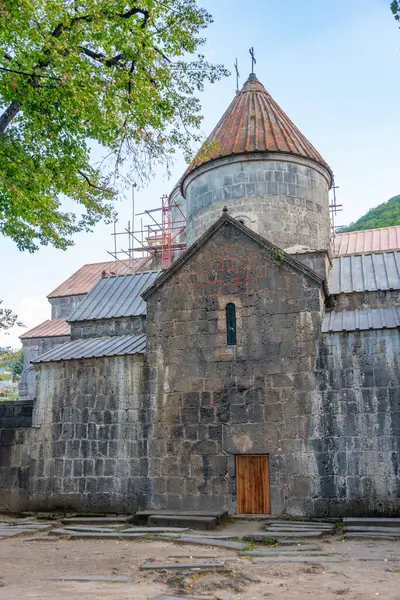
155 530
386 530
141 517
370 536
97 520
88 528
151 566
375 521
95 535
286 550
297 559
300 534
311 524
8 534
191 522
27 527
282 554
172 597
294 527
265 537
110 578
203 541
290 541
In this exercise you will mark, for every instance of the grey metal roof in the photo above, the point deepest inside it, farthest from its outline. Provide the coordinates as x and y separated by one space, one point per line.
366 272
361 320
113 297
95 347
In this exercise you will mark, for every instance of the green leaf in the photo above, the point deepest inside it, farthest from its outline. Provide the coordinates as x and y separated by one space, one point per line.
125 76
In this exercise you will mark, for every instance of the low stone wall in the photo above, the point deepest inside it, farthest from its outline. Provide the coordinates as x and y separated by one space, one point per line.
88 453
15 441
15 414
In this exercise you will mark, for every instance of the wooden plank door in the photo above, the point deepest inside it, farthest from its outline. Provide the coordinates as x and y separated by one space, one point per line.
252 484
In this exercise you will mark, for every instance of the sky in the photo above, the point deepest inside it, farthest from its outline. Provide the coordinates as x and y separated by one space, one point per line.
332 67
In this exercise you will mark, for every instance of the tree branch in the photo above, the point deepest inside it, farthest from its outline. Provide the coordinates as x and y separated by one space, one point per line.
93 185
11 111
33 75
135 11
99 56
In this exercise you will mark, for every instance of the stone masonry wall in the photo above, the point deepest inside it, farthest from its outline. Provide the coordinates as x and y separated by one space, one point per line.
108 327
88 451
285 200
356 423
366 299
15 438
33 347
211 401
62 307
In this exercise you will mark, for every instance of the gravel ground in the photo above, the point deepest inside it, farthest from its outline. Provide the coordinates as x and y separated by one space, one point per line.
367 570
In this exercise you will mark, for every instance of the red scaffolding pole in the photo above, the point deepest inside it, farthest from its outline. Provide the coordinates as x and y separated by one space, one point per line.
166 233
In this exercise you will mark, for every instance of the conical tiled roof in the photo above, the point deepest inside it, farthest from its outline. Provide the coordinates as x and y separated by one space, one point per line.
255 123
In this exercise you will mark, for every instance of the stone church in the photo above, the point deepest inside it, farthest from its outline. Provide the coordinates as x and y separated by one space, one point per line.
259 373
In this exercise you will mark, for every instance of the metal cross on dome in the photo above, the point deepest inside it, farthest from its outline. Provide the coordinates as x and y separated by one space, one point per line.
237 74
253 59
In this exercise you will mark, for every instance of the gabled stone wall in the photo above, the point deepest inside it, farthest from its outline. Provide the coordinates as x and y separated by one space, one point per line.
211 401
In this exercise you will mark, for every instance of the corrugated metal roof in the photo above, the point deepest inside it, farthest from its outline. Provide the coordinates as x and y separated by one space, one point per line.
84 279
365 272
359 320
113 297
50 328
370 240
95 348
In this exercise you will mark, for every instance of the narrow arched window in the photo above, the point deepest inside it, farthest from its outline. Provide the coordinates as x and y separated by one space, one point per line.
231 324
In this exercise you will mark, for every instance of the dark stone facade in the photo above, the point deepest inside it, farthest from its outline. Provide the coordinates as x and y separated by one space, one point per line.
324 407
14 414
212 401
357 415
163 429
88 451
15 438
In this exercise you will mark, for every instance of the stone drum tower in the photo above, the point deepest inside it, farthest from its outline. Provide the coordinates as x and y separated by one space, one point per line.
267 173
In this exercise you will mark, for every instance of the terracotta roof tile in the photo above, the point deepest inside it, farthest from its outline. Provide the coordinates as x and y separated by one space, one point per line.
370 240
254 122
84 279
50 328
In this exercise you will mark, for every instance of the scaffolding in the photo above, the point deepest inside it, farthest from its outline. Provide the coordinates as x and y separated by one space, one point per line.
154 239
334 208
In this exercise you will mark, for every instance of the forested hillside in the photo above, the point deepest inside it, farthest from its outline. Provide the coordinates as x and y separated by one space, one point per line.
384 215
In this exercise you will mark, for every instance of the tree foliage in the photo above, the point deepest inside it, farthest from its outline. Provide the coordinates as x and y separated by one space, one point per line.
395 7
8 319
384 215
12 360
122 74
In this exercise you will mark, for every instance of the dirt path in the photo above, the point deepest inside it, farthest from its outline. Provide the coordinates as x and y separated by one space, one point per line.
367 571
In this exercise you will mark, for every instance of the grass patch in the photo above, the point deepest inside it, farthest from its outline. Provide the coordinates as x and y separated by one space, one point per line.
251 545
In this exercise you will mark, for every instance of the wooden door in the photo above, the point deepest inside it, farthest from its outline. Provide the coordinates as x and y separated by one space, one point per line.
252 484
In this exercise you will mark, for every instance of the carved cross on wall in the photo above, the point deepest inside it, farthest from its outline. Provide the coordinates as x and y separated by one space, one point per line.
253 59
